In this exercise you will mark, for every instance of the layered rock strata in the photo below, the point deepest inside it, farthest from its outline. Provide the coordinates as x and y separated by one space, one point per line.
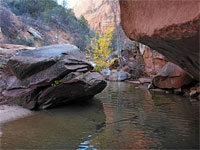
49 76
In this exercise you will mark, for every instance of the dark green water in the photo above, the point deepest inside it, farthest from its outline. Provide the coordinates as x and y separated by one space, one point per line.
121 117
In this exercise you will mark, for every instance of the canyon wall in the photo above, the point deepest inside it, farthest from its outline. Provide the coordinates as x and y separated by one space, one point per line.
100 14
170 27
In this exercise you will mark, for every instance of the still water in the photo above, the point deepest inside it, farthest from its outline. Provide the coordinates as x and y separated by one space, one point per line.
121 117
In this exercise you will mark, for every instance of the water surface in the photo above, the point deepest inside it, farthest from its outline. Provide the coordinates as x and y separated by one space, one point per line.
121 117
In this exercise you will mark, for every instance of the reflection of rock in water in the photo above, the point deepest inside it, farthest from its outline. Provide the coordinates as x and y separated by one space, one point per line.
60 128
134 120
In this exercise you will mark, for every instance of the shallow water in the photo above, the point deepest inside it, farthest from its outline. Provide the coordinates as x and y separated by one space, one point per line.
121 117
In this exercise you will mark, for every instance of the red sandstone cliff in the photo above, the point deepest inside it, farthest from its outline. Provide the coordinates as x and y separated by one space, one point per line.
98 13
170 27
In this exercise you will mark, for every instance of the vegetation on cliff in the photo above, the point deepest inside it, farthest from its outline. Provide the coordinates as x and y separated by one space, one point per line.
55 23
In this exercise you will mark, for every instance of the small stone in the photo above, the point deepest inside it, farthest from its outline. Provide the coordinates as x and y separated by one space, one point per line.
193 93
126 69
198 89
150 86
144 80
133 82
118 75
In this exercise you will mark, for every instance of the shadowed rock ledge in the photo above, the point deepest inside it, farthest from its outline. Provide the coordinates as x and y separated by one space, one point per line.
170 27
49 76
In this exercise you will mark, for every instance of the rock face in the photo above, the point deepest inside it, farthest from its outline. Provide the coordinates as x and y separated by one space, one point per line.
49 76
171 76
7 51
142 61
98 13
153 60
170 27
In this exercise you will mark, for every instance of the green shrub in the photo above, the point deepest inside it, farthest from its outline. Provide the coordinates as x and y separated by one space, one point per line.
32 7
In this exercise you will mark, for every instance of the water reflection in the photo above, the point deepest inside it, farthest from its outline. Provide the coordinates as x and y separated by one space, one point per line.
138 119
121 117
60 128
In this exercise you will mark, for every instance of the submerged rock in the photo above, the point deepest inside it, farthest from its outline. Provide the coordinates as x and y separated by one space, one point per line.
49 76
171 76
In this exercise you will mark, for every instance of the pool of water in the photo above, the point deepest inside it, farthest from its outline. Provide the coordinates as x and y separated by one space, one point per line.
121 117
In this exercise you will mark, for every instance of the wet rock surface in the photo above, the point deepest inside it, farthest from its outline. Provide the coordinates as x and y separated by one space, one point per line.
49 76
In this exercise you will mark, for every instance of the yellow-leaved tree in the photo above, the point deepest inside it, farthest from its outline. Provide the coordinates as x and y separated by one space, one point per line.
100 49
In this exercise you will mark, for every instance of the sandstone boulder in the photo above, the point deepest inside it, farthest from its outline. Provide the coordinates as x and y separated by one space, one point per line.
169 27
49 76
171 76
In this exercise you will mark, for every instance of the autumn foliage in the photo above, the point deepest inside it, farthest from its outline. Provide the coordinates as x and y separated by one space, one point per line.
100 49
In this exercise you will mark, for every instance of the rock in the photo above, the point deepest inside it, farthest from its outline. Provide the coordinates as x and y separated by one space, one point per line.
8 50
49 76
153 61
171 76
16 47
145 80
99 14
150 86
178 91
193 93
198 89
35 33
158 90
142 48
169 27
126 69
133 82
118 75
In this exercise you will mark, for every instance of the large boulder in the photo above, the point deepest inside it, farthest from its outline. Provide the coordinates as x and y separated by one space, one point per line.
170 27
171 76
49 76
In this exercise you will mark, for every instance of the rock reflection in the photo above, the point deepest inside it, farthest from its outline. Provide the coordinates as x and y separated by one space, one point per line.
134 120
121 117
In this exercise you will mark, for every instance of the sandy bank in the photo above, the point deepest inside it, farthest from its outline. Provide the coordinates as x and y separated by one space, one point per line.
9 113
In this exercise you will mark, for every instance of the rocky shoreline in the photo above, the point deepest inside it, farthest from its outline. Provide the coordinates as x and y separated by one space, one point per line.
49 76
